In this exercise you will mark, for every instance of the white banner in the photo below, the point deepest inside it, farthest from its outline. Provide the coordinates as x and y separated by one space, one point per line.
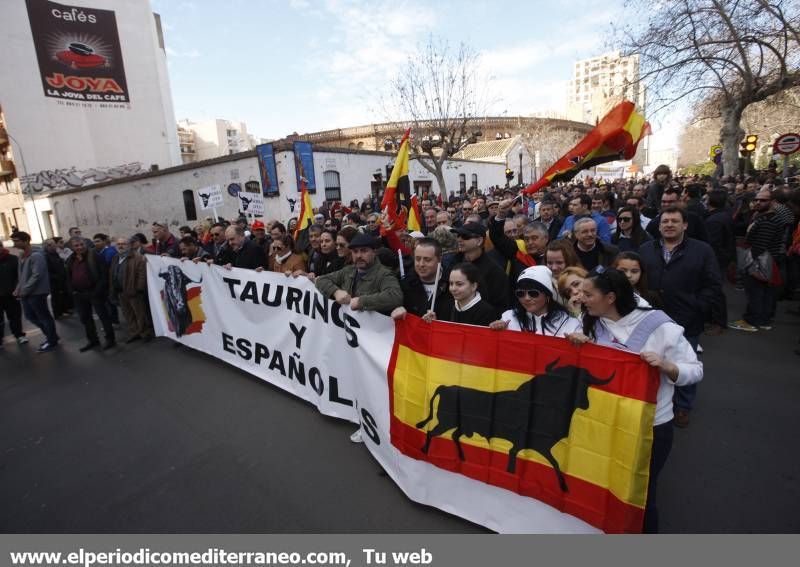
283 331
210 197
251 203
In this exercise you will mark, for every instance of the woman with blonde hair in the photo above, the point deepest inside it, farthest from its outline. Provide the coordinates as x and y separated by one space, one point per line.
569 288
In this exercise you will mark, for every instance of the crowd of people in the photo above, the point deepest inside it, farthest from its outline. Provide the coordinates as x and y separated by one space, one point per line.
635 265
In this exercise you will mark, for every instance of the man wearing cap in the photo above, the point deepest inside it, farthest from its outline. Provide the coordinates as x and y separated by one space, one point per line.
364 285
494 285
259 235
164 242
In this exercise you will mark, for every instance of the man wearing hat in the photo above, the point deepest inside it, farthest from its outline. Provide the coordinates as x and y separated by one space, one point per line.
259 235
494 287
364 285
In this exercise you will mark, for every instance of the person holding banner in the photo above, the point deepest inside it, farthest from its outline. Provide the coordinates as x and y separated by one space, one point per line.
469 307
424 288
613 318
283 258
242 252
364 285
536 309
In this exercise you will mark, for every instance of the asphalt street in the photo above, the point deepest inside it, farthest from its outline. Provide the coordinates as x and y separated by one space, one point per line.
154 438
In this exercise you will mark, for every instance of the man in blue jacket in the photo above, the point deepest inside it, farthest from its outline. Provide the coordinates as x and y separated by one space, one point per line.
685 273
33 288
580 206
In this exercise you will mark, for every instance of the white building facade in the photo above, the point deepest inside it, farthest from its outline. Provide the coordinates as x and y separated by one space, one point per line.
85 96
601 82
214 138
123 207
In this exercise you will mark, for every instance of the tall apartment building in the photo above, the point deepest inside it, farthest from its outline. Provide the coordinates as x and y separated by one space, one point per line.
213 138
601 82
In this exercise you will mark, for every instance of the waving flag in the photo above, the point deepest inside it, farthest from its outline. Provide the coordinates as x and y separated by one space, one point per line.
306 218
616 137
398 182
414 216
569 427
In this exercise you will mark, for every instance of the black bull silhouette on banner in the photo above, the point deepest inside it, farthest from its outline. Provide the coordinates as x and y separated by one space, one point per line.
536 415
176 298
205 197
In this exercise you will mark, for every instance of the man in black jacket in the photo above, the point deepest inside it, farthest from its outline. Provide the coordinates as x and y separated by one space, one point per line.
719 226
684 271
242 252
548 217
494 282
9 305
696 227
87 275
420 285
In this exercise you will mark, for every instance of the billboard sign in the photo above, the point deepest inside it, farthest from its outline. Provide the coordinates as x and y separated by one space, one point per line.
79 52
304 166
266 166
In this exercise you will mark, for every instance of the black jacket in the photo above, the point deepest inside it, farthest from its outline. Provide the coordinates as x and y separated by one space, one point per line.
696 227
56 270
98 272
249 256
554 228
9 274
493 286
481 314
688 285
719 226
415 298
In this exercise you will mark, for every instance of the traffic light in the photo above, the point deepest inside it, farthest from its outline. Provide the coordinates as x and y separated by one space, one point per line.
509 174
748 146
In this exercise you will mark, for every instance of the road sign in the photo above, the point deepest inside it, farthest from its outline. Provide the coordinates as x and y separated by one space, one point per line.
786 144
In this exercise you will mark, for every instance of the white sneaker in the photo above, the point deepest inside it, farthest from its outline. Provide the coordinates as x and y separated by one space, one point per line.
356 437
699 349
22 340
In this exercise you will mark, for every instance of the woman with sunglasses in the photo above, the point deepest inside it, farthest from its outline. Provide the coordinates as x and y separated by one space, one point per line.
629 234
282 257
612 318
536 309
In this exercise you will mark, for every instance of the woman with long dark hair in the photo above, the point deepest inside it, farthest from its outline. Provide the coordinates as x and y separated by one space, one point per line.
613 318
536 309
468 305
629 234
630 264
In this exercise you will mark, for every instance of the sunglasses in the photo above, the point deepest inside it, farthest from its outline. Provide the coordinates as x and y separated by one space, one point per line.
531 293
762 200
625 219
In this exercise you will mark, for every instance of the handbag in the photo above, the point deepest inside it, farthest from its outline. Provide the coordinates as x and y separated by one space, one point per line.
762 267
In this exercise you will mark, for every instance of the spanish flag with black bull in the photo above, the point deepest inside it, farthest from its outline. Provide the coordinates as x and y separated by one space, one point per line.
530 414
397 188
615 137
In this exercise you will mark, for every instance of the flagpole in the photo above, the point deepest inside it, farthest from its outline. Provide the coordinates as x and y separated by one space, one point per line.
435 287
400 258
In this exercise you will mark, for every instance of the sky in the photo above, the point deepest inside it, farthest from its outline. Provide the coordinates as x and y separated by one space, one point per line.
285 66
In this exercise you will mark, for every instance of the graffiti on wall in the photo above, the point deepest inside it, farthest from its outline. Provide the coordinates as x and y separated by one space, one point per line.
56 179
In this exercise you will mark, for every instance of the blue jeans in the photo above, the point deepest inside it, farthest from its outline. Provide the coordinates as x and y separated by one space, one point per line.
38 313
684 395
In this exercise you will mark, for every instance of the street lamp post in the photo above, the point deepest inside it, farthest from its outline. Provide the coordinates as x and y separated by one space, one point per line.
30 191
520 167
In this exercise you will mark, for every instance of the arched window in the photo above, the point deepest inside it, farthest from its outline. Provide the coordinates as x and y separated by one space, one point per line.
75 212
333 187
188 205
474 181
462 182
360 145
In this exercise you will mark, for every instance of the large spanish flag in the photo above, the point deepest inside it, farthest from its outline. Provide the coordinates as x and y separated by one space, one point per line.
615 137
398 182
306 218
534 415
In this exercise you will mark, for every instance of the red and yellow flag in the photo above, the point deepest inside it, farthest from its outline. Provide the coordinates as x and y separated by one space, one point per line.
414 216
306 218
615 137
531 414
398 182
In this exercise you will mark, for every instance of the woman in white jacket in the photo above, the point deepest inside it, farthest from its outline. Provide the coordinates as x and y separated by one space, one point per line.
536 309
613 318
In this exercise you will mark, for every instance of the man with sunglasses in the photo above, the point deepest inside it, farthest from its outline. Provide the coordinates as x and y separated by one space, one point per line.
494 285
763 234
217 245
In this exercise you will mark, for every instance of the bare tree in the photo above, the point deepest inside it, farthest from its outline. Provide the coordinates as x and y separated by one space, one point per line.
438 93
548 141
733 53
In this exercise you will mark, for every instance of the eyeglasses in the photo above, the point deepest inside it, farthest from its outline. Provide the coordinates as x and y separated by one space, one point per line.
762 200
531 293
625 219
